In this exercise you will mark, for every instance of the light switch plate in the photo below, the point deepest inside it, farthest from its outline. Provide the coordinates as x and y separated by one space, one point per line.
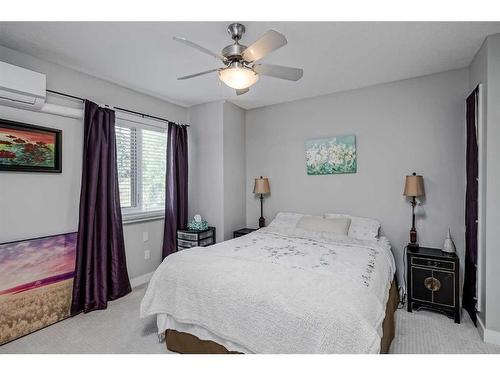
147 254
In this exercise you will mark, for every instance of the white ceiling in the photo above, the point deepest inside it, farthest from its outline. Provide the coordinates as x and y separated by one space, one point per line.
335 56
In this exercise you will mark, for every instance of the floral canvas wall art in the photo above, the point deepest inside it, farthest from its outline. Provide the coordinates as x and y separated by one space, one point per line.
334 155
25 148
36 283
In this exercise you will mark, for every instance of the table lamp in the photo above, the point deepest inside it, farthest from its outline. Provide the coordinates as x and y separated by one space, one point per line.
261 187
414 187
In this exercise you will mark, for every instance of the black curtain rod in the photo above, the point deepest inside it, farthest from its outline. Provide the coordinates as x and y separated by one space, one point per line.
146 115
67 95
117 108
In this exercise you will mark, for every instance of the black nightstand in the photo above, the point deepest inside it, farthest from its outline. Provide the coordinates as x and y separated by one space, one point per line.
242 232
433 282
190 238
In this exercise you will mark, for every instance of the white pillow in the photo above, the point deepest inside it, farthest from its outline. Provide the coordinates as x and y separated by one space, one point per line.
338 225
286 220
362 228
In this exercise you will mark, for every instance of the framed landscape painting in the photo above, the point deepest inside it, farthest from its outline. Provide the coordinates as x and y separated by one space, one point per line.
333 155
29 148
36 283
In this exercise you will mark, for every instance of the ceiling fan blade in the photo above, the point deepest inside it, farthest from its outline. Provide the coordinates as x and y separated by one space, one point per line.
242 91
198 74
267 43
199 48
278 71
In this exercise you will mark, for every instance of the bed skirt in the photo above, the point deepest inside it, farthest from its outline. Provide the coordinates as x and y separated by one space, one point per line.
186 343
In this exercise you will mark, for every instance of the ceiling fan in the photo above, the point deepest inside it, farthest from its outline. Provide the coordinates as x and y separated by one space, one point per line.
240 69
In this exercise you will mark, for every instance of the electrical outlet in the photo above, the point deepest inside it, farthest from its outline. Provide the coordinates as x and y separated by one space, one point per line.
147 254
145 236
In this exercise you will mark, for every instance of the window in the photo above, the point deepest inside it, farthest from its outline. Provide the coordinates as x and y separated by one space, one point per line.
141 159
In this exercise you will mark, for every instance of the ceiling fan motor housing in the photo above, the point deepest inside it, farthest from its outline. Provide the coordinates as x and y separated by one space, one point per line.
235 50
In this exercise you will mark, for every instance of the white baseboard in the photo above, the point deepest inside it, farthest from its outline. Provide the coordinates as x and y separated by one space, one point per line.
488 335
480 327
139 280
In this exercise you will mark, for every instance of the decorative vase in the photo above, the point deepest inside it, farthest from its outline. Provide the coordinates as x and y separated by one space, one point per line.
449 246
198 223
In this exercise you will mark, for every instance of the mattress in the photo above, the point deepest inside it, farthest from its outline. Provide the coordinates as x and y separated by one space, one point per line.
191 339
166 322
277 291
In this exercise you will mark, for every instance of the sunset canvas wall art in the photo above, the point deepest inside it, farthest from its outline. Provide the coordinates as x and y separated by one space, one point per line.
36 284
25 148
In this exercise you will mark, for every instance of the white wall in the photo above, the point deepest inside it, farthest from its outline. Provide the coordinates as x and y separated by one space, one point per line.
36 204
234 169
411 125
493 186
217 166
492 146
40 204
206 174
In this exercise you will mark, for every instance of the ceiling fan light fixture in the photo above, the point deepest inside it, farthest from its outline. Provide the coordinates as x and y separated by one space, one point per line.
241 70
238 77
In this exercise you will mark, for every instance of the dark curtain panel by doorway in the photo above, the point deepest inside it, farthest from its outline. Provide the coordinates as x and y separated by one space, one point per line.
176 198
471 208
101 271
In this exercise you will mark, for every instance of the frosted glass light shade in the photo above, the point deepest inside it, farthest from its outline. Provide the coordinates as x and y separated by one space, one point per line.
238 78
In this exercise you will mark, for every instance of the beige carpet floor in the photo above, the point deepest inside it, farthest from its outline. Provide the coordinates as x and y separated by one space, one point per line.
119 330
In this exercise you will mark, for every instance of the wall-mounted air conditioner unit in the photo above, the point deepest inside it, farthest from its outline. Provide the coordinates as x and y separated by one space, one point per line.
21 87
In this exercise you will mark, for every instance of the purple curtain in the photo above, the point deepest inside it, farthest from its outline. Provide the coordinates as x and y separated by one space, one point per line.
176 198
101 270
471 208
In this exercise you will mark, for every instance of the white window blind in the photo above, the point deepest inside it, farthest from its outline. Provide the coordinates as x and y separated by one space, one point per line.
141 160
126 161
153 164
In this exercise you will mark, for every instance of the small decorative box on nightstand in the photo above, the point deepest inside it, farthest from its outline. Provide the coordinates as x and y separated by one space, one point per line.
432 281
190 238
242 232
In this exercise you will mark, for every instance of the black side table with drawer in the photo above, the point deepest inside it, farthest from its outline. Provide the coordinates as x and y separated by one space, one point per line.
242 232
433 281
190 238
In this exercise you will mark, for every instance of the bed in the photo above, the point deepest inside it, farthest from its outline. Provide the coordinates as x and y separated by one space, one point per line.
281 289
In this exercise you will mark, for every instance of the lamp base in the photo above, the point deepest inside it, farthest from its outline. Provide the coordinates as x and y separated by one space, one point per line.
262 222
413 246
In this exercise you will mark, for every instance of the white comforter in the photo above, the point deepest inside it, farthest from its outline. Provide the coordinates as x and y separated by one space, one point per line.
280 291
